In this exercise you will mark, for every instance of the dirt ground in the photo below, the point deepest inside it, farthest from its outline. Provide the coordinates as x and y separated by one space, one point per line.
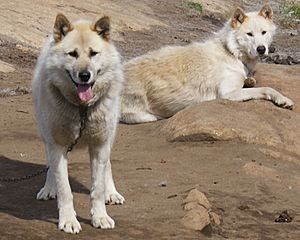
142 158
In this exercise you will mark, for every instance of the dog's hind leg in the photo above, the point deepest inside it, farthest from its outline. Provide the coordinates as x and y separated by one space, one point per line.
265 93
137 117
135 109
49 190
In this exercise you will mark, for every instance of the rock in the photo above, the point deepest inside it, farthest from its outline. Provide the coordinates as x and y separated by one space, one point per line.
197 197
255 122
199 213
196 219
190 205
217 8
249 82
261 171
6 67
23 48
8 92
270 153
38 23
215 218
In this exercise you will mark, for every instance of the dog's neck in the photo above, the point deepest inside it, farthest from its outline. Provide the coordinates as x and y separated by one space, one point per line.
228 40
249 64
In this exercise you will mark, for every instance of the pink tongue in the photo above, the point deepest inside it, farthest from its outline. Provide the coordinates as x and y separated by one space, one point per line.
85 92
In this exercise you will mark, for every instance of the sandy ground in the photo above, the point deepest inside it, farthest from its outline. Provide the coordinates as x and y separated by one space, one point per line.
248 185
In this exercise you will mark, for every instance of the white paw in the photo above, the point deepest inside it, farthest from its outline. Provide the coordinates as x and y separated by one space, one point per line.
114 198
69 223
104 222
285 102
46 193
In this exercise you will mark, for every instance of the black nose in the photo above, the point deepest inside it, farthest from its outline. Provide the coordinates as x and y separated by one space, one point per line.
84 75
261 50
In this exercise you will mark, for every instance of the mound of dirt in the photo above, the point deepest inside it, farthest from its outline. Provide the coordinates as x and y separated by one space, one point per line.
255 122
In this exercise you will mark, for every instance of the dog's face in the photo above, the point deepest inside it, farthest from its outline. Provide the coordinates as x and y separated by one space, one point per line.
82 52
254 31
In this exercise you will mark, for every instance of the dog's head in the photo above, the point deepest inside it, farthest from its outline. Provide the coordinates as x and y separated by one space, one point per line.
253 31
83 52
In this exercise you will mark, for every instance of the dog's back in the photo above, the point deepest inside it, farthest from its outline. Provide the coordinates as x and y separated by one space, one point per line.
170 79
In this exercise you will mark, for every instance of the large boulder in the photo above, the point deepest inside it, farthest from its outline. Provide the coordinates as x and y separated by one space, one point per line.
255 122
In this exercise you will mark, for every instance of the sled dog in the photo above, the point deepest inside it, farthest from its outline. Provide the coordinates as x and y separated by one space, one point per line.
78 78
165 81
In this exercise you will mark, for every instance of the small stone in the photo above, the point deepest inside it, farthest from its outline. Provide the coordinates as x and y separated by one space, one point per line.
22 48
198 197
249 82
284 217
190 205
163 184
6 67
196 219
215 218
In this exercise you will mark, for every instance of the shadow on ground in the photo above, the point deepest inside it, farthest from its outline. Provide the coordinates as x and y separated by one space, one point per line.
12 192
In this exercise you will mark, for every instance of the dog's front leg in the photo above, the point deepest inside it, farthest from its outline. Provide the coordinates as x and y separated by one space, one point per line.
67 214
99 157
111 194
265 93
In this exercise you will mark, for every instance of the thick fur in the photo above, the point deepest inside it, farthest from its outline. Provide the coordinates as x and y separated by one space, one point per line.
57 106
163 82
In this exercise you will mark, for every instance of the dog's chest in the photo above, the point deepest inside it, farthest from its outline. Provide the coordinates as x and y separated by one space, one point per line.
68 127
96 128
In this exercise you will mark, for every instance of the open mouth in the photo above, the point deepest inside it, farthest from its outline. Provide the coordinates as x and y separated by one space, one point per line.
85 92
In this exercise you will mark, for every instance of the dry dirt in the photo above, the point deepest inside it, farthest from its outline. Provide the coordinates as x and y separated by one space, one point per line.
248 180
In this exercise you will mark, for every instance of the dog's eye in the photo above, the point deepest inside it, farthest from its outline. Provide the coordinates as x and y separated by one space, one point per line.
250 34
263 32
73 54
93 53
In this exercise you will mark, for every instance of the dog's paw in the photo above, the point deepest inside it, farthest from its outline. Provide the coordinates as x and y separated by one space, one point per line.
285 102
114 198
69 223
104 222
46 193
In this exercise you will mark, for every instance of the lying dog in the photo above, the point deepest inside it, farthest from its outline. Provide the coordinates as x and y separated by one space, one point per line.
163 82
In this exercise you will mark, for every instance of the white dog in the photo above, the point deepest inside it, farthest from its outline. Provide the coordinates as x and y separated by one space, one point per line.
79 68
165 81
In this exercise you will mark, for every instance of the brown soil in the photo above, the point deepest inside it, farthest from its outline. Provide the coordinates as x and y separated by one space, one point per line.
153 174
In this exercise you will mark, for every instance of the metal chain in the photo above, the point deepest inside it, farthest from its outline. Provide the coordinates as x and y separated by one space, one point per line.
25 177
83 118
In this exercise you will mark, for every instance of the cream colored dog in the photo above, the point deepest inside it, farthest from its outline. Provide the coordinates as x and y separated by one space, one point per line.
78 68
163 82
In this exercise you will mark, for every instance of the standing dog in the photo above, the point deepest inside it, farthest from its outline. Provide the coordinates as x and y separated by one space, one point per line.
163 82
79 68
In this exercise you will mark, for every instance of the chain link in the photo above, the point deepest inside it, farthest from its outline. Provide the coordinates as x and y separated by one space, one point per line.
83 118
25 177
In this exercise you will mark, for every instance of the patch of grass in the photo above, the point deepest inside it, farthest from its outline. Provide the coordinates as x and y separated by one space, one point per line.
291 12
196 6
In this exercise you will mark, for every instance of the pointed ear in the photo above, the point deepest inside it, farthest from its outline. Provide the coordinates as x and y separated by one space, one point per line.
266 12
61 27
239 17
102 27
